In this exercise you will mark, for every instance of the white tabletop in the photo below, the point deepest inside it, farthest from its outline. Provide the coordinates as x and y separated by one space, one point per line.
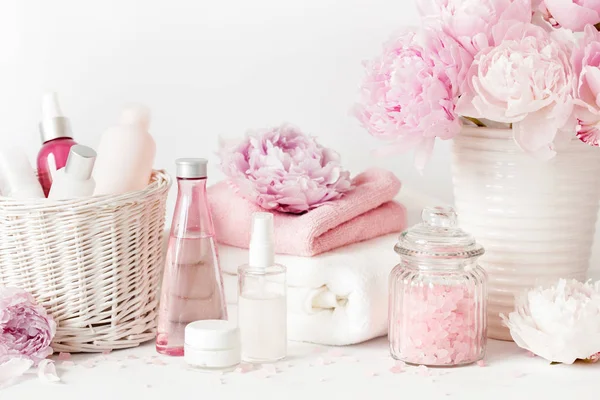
317 372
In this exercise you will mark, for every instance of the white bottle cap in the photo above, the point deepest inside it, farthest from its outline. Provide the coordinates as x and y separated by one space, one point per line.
212 335
262 249
54 124
80 162
138 116
191 168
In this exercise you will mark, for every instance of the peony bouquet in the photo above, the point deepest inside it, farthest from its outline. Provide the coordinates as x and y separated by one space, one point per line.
532 66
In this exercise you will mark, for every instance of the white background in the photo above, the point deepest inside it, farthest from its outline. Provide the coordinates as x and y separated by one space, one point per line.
205 68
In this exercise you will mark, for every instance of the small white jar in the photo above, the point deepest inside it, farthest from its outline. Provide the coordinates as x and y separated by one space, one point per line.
212 344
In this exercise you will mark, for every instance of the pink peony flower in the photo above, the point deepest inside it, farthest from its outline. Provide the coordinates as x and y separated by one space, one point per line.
285 170
526 80
586 65
26 330
470 22
409 93
570 14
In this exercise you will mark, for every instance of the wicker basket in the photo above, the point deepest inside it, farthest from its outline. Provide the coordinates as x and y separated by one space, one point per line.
94 263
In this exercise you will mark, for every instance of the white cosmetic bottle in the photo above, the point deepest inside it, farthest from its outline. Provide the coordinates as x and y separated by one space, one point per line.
17 177
125 154
75 179
262 303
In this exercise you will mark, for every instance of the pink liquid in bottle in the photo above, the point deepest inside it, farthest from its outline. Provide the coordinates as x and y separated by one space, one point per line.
192 287
57 140
52 157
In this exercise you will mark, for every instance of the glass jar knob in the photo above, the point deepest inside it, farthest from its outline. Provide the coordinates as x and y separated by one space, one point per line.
439 217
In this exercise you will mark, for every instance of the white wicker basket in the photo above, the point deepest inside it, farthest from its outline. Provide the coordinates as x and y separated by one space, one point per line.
94 263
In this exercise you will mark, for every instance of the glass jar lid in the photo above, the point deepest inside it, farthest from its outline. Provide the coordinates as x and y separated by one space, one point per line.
438 236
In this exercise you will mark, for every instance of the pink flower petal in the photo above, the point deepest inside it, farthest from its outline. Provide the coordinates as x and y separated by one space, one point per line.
106 352
64 356
12 369
481 363
47 371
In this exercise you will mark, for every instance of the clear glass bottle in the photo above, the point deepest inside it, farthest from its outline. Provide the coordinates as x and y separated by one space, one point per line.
262 302
192 286
438 294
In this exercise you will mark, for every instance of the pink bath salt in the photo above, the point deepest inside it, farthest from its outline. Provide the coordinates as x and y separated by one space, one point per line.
423 370
481 363
335 353
106 352
64 356
397 369
439 325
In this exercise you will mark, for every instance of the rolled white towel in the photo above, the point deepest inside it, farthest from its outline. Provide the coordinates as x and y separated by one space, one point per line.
336 298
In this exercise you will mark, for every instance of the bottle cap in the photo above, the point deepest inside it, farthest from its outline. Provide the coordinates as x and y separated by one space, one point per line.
262 249
212 335
138 116
54 124
80 162
191 168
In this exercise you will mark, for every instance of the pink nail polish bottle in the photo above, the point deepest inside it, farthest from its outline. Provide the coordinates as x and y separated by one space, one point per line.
57 139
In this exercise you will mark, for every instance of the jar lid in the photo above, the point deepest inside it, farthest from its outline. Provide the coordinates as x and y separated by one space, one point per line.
438 236
212 335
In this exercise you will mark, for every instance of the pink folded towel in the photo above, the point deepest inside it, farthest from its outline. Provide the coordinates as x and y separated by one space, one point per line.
364 213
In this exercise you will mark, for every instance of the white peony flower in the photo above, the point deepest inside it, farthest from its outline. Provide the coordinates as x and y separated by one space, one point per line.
560 323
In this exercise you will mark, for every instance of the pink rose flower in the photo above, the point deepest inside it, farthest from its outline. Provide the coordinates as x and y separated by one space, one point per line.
409 93
283 169
586 65
26 330
571 14
470 22
526 80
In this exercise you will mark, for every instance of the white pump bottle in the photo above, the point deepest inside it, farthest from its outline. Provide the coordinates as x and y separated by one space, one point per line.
262 302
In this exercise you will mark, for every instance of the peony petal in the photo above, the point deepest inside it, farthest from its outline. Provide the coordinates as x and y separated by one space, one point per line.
571 15
12 369
535 133
47 371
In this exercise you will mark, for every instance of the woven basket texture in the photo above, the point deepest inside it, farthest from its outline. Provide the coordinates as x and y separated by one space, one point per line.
94 263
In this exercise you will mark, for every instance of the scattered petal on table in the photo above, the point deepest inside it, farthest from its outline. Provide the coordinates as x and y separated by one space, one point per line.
47 371
12 369
106 352
64 356
481 363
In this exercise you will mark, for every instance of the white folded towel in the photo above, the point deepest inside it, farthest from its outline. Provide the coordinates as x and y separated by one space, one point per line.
336 298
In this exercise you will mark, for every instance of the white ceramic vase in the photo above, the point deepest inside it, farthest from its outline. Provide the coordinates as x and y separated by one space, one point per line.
536 219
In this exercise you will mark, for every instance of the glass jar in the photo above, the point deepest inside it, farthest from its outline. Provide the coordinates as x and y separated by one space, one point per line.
438 294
